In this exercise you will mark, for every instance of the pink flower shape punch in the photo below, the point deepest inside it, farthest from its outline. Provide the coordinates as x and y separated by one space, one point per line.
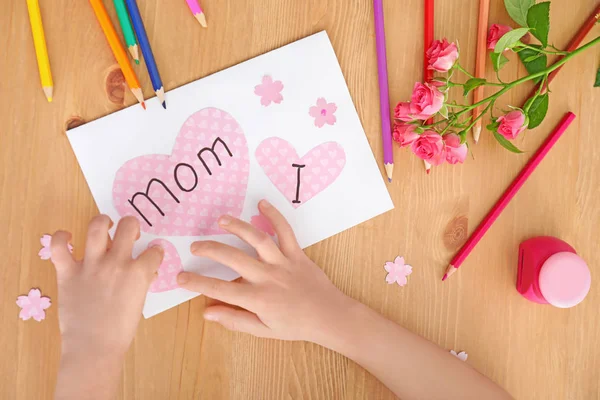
269 91
397 271
33 305
323 113
44 252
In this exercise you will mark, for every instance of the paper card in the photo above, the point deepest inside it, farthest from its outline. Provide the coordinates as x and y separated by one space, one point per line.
281 126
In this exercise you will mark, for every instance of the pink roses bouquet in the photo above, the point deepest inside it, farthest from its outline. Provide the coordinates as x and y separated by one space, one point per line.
435 129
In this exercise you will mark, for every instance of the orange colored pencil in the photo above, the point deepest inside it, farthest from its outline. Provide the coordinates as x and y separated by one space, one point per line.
118 50
480 57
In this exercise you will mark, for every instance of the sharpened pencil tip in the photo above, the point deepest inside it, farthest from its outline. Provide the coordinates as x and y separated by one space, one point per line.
137 62
49 99
390 180
445 277
428 171
143 105
164 104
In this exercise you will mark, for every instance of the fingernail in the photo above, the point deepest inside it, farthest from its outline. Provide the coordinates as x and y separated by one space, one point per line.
183 277
225 220
158 247
211 317
265 203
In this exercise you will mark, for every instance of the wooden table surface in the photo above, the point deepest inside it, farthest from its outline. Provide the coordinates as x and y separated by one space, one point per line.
535 352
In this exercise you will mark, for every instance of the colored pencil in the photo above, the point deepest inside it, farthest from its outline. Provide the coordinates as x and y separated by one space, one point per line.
127 30
507 196
480 57
427 40
384 95
41 52
140 32
118 50
195 8
573 44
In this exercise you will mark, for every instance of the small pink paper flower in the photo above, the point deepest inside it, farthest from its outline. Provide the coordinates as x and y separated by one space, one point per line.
323 113
511 124
33 305
261 223
397 271
44 252
461 356
269 91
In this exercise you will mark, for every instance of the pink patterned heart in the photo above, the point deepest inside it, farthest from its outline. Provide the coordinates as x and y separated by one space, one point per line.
169 268
184 194
300 178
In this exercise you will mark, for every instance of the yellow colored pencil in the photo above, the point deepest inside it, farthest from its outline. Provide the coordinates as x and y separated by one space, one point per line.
41 52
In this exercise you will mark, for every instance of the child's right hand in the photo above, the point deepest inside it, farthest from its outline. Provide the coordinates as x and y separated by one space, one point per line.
284 295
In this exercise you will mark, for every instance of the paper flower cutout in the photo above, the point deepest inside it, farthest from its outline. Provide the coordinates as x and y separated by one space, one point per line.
269 91
323 113
461 356
44 252
397 271
261 223
33 305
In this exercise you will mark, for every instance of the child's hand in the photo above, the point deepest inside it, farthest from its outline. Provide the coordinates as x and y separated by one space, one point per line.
100 298
286 295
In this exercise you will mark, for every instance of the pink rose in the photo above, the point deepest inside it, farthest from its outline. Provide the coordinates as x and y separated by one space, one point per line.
426 100
495 33
455 151
429 146
402 112
404 134
441 55
511 124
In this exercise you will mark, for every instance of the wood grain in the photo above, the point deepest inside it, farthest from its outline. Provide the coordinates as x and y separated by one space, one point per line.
535 352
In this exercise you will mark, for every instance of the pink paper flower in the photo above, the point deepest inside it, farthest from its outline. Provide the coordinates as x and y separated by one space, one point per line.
33 305
441 55
511 124
404 134
269 91
44 252
495 33
430 147
461 356
323 113
454 150
261 223
397 271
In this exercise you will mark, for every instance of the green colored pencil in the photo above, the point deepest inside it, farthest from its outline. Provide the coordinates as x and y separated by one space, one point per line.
127 29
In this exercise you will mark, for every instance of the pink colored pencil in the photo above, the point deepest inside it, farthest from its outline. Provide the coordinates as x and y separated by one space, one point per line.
507 196
195 8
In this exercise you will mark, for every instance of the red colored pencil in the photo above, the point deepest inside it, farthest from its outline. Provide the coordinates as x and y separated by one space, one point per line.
427 40
507 196
573 44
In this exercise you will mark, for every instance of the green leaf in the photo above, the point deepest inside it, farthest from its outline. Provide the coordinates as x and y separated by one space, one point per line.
472 84
517 9
597 83
506 144
444 111
532 58
538 19
510 39
537 111
498 61
537 64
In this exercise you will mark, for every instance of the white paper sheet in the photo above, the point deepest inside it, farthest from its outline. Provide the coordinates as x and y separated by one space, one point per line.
308 70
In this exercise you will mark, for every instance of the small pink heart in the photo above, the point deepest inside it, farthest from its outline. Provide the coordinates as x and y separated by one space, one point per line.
168 270
292 175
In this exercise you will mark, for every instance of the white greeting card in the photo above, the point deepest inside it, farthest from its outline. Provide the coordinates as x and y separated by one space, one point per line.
281 126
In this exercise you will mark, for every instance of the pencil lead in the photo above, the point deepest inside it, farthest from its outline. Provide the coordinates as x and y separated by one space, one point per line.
445 277
164 104
143 105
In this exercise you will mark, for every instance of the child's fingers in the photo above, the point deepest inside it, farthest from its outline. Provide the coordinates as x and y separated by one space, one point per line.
59 250
287 239
97 237
265 247
151 259
240 262
237 320
235 293
128 231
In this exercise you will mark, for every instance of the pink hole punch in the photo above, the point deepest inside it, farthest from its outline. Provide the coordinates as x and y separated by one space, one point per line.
551 272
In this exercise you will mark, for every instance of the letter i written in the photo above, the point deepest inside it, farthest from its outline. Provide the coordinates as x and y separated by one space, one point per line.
299 167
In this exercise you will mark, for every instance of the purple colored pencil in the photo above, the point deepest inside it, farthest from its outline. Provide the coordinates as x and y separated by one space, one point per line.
384 95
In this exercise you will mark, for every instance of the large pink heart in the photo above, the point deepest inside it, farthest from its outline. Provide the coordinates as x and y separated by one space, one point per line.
300 178
168 270
184 194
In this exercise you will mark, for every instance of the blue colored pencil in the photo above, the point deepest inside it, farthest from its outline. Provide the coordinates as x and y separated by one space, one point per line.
140 32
